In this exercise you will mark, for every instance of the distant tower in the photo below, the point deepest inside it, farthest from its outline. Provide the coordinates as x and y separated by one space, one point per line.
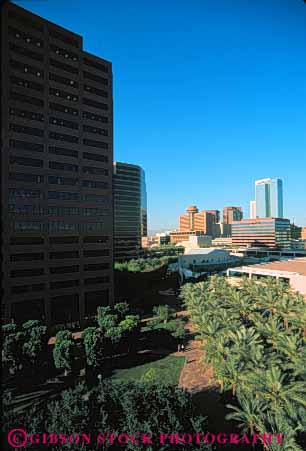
253 209
269 198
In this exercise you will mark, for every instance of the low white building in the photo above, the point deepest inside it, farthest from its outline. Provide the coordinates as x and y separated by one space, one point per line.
290 271
198 261
196 241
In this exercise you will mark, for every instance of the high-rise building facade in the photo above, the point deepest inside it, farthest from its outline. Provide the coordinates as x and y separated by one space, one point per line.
56 172
130 210
263 232
231 214
269 198
200 221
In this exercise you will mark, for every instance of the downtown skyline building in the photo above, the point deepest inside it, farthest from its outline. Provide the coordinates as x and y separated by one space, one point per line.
56 173
262 232
130 210
269 198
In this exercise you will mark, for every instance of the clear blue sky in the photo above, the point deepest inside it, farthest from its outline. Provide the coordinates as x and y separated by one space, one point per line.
208 95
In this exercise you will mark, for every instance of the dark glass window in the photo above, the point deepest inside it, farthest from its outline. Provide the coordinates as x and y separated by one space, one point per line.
92 227
29 272
94 184
95 157
25 194
21 177
27 257
63 137
26 240
26 52
94 117
26 83
64 269
60 226
24 145
28 38
96 91
63 66
96 198
26 114
64 284
54 180
28 226
63 239
27 288
63 195
95 212
64 254
63 166
98 144
90 76
24 161
63 211
63 109
97 266
63 151
26 68
63 123
95 239
26 130
95 64
35 210
96 280
63 94
63 80
96 252
64 38
94 170
95 130
63 52
26 99
93 103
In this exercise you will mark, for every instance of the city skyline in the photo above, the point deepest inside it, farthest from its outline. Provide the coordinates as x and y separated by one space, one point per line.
231 94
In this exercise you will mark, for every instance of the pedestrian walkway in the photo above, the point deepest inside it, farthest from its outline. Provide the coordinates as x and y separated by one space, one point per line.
195 376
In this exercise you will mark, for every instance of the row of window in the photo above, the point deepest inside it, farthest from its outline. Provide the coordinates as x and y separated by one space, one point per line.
38 210
32 162
59 255
27 37
15 194
26 83
26 114
26 68
30 240
58 284
26 52
30 39
57 226
67 54
56 180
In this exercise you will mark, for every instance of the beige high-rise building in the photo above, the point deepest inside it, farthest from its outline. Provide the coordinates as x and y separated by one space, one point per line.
231 214
194 220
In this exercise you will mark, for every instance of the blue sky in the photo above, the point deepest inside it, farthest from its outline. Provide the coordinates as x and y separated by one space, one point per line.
208 95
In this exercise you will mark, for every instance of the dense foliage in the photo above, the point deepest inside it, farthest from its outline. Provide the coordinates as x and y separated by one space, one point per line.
254 337
165 320
113 407
23 346
142 264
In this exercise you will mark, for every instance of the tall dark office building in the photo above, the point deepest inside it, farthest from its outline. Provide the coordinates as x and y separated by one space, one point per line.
56 172
130 210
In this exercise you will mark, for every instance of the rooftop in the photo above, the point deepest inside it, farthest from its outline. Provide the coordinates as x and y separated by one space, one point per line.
297 265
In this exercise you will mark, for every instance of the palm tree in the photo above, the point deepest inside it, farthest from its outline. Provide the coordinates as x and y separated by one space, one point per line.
250 414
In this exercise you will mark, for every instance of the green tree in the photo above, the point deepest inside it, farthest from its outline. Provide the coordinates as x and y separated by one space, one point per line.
63 352
93 340
35 345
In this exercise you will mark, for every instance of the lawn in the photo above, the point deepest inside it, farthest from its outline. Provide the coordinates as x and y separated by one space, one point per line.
167 370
